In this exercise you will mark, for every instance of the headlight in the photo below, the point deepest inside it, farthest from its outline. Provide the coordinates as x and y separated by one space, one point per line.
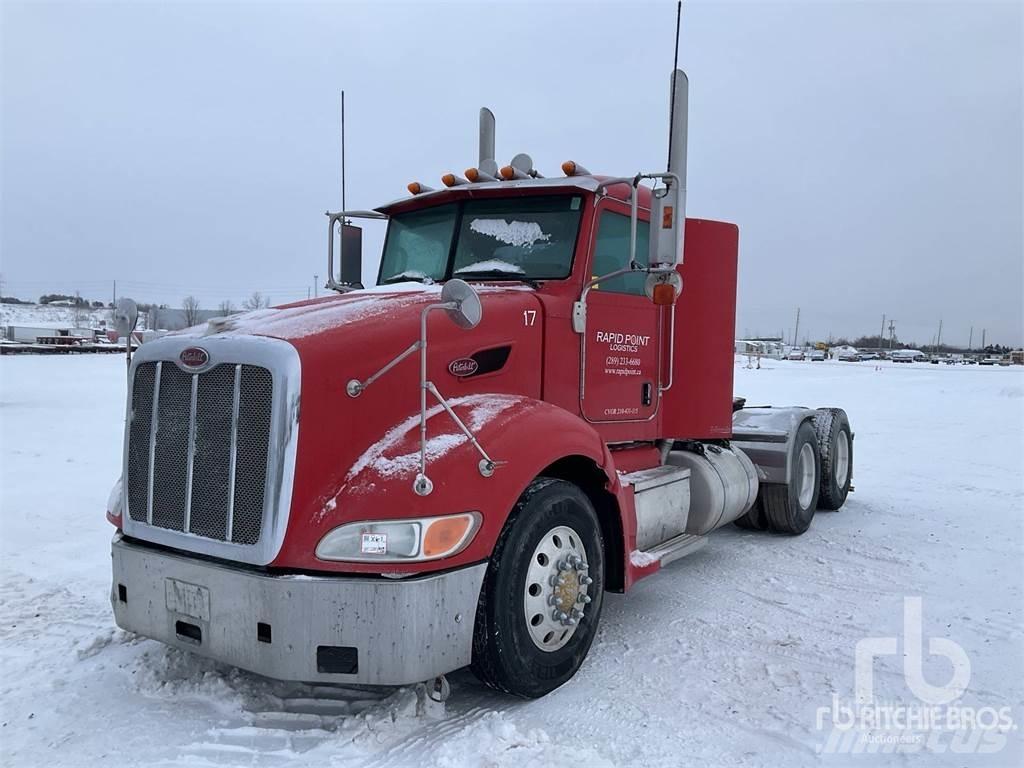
398 541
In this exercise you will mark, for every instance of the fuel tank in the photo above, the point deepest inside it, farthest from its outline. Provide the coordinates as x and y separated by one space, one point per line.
723 485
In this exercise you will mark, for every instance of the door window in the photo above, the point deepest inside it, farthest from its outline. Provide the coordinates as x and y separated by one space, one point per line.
611 252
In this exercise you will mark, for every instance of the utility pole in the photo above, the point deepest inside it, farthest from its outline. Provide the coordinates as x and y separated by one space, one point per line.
938 339
881 335
796 330
316 285
115 294
892 333
970 339
983 337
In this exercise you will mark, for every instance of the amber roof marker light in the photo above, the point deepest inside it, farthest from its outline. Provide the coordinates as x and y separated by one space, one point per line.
572 168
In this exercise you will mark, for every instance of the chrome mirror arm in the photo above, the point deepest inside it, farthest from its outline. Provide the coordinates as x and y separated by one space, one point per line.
422 485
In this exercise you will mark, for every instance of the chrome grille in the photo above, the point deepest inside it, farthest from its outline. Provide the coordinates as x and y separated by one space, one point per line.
200 466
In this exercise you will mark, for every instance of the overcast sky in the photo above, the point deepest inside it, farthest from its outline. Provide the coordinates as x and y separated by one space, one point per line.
871 153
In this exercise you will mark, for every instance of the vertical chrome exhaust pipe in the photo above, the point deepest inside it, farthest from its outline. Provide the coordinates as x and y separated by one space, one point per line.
679 91
679 121
486 136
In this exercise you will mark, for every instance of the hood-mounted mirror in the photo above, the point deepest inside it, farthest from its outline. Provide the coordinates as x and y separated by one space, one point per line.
466 310
126 315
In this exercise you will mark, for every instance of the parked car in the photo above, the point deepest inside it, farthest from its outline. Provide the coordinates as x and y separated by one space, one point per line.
796 354
817 354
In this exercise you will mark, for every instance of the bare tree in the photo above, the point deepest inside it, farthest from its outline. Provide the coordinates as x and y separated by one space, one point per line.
256 301
226 307
191 306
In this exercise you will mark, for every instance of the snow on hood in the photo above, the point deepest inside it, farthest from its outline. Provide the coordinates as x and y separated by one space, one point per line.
304 320
483 409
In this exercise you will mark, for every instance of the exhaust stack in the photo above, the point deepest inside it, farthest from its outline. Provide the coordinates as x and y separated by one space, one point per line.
487 163
668 204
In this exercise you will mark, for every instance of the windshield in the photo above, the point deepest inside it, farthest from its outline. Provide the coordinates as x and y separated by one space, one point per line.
522 238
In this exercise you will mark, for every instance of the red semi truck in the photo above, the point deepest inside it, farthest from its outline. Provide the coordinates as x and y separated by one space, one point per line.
532 407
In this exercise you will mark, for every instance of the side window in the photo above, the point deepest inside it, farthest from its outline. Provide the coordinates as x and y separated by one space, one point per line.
611 252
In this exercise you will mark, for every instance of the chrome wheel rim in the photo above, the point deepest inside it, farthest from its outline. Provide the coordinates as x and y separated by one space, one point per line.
806 475
842 459
555 593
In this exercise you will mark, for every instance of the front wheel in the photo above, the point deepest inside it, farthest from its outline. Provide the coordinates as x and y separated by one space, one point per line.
541 598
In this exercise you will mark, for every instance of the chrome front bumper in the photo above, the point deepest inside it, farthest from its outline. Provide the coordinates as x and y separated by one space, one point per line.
309 628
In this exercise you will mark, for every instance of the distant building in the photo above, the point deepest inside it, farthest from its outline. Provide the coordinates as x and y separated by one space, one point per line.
764 347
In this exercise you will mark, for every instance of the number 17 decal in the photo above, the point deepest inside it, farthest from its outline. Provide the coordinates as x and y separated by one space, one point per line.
529 317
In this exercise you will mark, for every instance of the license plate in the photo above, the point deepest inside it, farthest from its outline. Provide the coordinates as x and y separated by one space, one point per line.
187 599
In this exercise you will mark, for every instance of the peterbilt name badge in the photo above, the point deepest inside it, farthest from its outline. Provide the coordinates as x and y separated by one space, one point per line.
194 357
464 366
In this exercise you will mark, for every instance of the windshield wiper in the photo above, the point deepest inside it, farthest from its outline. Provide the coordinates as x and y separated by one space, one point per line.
402 277
495 274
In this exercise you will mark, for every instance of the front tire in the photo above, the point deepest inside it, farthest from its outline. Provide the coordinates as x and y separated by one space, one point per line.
533 631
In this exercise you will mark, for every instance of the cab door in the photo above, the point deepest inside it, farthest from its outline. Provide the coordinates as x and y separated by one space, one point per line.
621 343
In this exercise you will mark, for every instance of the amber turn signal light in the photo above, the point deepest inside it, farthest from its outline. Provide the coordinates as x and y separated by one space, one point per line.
664 294
446 534
572 168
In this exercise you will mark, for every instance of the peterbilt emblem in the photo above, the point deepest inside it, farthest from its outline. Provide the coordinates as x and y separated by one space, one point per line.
464 366
194 357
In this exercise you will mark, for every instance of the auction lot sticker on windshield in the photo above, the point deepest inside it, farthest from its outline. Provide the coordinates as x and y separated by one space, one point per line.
374 544
187 599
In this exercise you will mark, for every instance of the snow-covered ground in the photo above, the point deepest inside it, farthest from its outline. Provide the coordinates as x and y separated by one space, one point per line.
48 316
722 659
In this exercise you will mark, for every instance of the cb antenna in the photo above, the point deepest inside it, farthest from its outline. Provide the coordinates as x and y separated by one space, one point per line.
672 105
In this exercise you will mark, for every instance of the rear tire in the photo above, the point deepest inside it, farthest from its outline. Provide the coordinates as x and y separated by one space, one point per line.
753 518
519 644
835 444
790 508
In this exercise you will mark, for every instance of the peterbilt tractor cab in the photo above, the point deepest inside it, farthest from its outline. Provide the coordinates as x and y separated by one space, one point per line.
533 406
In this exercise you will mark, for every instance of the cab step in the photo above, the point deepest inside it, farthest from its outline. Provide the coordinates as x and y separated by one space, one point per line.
669 551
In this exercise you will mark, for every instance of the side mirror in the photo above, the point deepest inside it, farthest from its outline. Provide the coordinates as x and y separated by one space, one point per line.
351 255
465 309
126 315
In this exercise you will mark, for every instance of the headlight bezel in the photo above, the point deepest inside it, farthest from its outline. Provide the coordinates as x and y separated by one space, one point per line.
345 543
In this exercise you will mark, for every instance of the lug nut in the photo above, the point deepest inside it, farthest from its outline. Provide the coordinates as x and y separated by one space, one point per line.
587 580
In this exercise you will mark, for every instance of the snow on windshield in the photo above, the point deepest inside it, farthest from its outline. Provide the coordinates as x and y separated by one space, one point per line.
491 265
517 233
